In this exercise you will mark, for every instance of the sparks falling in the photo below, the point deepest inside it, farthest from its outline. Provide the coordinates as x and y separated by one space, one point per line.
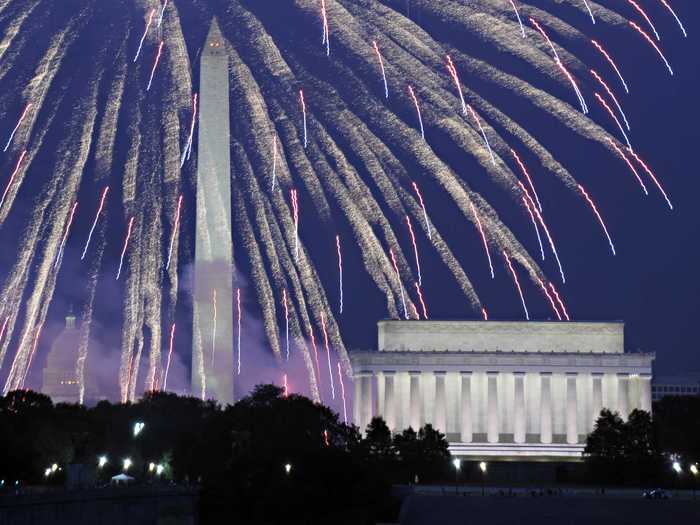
326 35
12 177
170 354
551 300
328 354
614 117
295 211
19 123
646 17
561 303
342 394
420 117
59 256
94 223
213 323
484 314
483 238
274 161
187 151
316 360
162 12
176 229
653 44
678 20
652 177
517 284
422 301
534 223
425 213
126 245
286 323
455 78
155 65
285 386
612 64
340 271
145 32
612 96
597 214
398 279
381 66
483 133
527 176
590 13
303 114
415 249
629 164
238 332
517 15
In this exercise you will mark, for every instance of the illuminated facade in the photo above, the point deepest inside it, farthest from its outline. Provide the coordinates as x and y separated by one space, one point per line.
501 389
60 378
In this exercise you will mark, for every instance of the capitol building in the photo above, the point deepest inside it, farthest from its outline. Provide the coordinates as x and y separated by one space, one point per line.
507 390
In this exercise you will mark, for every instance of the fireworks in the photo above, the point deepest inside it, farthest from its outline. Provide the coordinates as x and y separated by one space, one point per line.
534 223
286 323
652 44
162 12
517 15
590 13
19 123
551 301
415 249
187 151
422 301
612 96
126 245
645 16
328 354
12 177
398 278
652 177
213 325
274 161
483 237
59 256
425 213
561 304
342 394
94 223
631 167
381 66
170 354
614 117
420 117
303 114
484 314
517 284
4 327
285 386
340 271
31 355
612 64
326 36
238 331
155 65
316 360
145 32
527 176
176 229
295 208
597 214
678 21
483 133
455 78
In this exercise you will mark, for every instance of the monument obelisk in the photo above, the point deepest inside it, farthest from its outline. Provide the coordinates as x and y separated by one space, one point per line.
212 343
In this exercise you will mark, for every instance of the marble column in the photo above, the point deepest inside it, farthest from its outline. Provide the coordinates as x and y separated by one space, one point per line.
440 402
519 410
492 407
357 400
623 383
571 409
378 407
466 408
645 392
415 400
367 404
596 398
546 407
389 400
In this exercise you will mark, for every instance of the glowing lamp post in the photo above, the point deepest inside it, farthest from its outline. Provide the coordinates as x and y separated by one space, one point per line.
694 471
159 469
457 464
138 428
151 467
101 461
127 464
288 468
482 468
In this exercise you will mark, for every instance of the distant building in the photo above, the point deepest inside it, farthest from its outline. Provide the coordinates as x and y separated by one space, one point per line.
662 386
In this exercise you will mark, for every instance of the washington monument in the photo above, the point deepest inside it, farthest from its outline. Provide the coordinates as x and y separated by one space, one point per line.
212 344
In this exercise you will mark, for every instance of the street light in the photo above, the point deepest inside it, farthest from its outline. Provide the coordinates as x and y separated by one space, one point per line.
138 427
101 461
482 468
694 471
159 469
287 468
677 467
127 463
47 472
54 467
151 467
457 464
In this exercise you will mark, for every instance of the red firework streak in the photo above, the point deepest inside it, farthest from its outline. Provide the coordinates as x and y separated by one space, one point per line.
342 393
559 301
678 20
126 245
155 65
295 210
303 112
170 354
65 234
19 123
611 95
612 64
325 438
238 339
646 17
483 237
381 66
328 354
527 176
340 271
12 177
517 284
94 223
285 386
653 177
483 133
4 326
420 117
398 278
176 229
286 322
415 311
551 300
31 356
614 117
597 214
318 366
326 36
484 313
425 213
455 78
415 249
627 161
145 32
534 223
653 44
422 302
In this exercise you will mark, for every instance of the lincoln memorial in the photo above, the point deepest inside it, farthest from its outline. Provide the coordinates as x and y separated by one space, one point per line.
500 389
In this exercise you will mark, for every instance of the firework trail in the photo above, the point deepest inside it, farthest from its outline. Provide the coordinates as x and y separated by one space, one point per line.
646 17
12 177
551 300
527 176
4 326
315 349
94 223
415 311
145 32
325 438
295 208
612 64
517 15
484 314
31 355
398 278
612 96
19 123
238 334
597 214
517 284
340 271
455 78
483 237
631 167
415 249
213 328
561 303
381 66
274 161
328 353
188 146
483 133
303 113
59 255
170 354
285 386
176 229
422 302
326 35
425 213
420 117
162 12
678 20
614 117
155 65
286 322
652 177
342 394
653 44
534 223
126 245
585 2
